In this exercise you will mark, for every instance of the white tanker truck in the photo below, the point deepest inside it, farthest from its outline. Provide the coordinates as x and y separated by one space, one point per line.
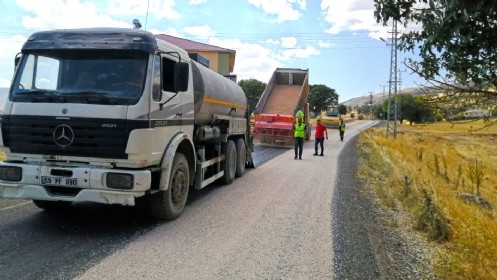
112 115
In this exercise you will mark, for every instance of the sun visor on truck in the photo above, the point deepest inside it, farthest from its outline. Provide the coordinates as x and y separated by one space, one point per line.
95 38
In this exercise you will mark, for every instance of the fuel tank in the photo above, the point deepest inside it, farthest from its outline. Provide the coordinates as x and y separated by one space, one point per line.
215 94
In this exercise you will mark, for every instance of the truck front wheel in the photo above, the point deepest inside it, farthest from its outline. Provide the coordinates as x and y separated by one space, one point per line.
169 204
241 153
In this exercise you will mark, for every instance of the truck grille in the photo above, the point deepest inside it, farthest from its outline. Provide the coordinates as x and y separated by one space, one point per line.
35 135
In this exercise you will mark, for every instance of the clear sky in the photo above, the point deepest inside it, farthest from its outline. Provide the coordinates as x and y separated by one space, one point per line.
337 40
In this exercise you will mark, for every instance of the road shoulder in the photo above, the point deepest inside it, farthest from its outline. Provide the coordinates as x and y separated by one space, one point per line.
366 243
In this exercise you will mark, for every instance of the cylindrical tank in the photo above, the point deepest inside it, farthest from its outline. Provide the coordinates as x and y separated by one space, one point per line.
215 94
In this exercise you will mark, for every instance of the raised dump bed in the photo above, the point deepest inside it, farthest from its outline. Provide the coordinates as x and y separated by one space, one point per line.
286 93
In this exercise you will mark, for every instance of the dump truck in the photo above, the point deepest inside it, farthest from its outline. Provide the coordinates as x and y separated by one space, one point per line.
331 116
114 115
286 92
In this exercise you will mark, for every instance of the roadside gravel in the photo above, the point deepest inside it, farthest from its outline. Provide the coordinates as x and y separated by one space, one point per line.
366 243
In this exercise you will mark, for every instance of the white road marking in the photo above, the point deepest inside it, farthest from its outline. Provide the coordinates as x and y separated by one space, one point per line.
14 206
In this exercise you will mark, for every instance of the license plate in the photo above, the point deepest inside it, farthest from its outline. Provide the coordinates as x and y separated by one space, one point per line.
58 181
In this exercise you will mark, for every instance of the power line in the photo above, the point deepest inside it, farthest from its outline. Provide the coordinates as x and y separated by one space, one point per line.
146 17
357 40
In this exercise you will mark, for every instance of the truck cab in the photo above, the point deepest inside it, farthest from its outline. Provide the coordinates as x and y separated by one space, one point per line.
110 115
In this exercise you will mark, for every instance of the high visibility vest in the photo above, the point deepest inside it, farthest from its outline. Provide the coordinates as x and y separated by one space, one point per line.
341 127
299 130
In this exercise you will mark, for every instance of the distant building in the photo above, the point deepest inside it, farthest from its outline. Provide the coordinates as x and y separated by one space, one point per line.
218 59
477 113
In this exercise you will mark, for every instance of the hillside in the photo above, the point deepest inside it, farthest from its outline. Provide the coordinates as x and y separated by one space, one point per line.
378 97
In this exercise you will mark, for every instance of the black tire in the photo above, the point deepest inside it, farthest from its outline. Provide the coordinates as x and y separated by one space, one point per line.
50 205
241 152
169 204
229 162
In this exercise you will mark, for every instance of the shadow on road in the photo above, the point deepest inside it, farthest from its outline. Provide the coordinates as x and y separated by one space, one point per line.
37 244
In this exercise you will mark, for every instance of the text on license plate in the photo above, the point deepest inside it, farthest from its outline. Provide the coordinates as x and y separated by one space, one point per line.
58 181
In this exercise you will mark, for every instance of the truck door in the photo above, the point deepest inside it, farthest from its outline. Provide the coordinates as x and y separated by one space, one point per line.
168 105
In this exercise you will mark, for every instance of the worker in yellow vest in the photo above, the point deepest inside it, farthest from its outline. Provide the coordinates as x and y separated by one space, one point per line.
341 129
300 115
298 137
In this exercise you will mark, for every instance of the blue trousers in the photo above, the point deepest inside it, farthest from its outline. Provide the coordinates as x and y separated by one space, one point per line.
319 141
298 145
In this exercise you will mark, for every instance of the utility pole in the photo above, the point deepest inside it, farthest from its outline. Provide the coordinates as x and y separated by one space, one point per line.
383 92
370 105
392 85
399 109
400 79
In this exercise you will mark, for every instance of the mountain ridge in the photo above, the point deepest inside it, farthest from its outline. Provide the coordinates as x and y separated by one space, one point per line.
378 98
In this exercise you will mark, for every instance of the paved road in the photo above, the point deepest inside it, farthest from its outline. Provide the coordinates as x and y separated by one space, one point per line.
273 223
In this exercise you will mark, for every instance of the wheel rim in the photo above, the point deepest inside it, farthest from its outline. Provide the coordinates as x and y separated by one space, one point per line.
178 187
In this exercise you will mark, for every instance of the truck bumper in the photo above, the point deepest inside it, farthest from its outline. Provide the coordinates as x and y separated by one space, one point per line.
90 186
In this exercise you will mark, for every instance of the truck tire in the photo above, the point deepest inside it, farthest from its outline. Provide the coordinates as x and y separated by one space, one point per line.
241 152
169 204
308 132
49 205
229 162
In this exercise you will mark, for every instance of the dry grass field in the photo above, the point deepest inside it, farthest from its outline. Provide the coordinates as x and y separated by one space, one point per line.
443 176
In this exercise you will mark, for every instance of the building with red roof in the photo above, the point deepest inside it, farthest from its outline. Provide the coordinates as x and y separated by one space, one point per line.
219 59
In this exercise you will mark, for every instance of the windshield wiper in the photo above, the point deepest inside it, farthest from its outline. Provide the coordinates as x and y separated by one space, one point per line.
37 92
38 95
91 97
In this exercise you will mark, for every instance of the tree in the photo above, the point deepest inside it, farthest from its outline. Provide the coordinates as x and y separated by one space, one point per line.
412 108
457 37
457 46
423 113
379 111
342 109
253 90
321 96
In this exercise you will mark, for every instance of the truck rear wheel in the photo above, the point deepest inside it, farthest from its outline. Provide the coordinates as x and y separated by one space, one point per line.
51 205
308 133
169 204
229 162
241 153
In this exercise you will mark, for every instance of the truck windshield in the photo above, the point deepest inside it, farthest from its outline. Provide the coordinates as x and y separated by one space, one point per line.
81 76
332 112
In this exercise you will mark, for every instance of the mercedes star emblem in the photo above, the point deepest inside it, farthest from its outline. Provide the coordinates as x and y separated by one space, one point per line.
63 135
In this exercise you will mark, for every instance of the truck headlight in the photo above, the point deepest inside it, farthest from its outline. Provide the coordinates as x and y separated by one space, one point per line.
10 173
121 181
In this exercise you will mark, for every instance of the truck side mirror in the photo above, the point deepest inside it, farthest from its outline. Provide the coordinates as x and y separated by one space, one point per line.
17 59
181 76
